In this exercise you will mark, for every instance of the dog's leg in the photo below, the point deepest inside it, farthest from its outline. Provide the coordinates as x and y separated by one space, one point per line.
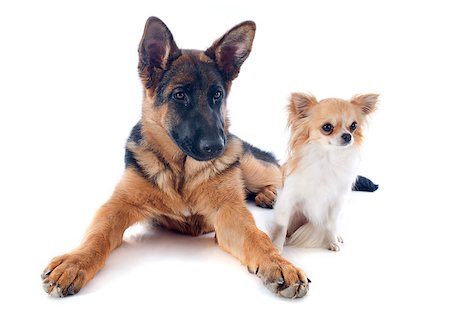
67 274
278 234
283 212
237 233
266 196
262 177
333 240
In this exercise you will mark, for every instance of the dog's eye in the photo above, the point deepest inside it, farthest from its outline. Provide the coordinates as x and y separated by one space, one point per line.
353 126
217 95
179 95
327 128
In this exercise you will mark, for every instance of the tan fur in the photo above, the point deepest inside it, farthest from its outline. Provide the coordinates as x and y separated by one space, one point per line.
262 178
177 192
297 123
300 122
211 198
324 152
187 196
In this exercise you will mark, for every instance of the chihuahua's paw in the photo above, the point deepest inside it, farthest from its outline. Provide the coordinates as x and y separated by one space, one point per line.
266 197
283 278
334 246
340 239
64 276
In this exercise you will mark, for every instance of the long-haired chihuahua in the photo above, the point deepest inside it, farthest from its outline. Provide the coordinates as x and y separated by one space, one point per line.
324 154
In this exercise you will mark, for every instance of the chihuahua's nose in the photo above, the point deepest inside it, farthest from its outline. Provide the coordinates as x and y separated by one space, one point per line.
347 137
211 147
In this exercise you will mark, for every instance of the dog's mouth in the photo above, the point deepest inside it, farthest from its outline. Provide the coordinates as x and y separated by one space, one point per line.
340 144
200 151
203 156
346 144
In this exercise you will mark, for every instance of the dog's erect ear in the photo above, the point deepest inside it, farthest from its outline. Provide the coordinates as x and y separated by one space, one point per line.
231 50
301 102
156 50
367 102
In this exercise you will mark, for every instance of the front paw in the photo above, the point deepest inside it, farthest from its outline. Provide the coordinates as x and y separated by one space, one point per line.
334 246
266 197
65 275
283 278
335 243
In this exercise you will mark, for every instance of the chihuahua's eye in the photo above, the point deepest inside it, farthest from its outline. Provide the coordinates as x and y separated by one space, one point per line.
327 128
179 95
353 126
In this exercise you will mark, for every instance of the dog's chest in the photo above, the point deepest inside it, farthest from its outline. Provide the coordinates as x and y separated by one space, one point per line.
184 215
324 176
192 224
180 179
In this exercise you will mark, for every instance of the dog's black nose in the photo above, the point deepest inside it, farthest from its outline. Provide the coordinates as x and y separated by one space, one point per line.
210 147
347 137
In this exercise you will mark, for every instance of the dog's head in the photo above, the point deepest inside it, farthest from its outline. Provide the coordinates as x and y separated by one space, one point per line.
331 122
186 90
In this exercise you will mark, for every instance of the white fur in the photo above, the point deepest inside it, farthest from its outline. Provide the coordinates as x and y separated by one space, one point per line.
315 191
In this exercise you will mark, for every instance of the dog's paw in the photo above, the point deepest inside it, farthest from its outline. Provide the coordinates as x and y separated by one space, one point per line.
340 239
334 246
64 276
283 278
266 197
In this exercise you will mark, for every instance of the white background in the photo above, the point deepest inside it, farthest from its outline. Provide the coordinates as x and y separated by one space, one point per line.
69 95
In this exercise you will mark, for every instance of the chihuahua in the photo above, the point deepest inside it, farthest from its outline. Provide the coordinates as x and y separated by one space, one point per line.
324 153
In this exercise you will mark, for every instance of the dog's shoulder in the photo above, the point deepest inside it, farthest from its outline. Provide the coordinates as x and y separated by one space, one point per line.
259 154
134 139
143 156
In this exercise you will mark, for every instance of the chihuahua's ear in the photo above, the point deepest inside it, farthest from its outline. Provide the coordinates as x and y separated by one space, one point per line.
156 50
300 103
367 102
231 50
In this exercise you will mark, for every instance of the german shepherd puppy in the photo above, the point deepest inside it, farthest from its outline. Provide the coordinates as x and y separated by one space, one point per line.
184 170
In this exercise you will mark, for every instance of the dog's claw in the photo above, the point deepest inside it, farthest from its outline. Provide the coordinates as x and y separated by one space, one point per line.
272 286
45 274
266 197
64 276
290 291
264 205
333 246
284 279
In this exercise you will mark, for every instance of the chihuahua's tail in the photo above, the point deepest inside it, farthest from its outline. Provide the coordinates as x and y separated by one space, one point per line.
364 184
306 236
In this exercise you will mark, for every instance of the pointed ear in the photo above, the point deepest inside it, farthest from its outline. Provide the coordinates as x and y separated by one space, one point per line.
231 50
156 50
300 103
367 102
